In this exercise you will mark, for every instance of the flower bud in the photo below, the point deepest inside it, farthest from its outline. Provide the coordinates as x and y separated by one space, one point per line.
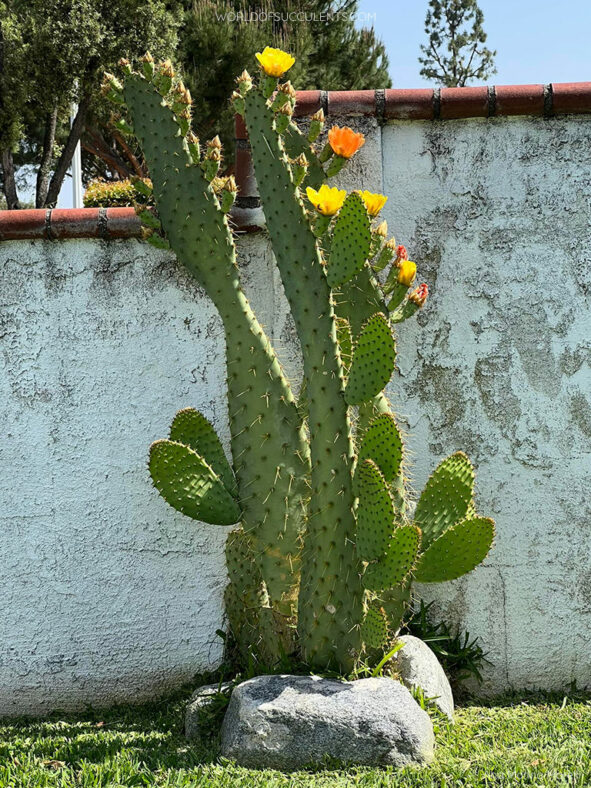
382 229
282 118
316 125
147 62
228 195
194 147
163 77
299 168
386 256
401 254
125 65
419 295
111 88
237 101
244 83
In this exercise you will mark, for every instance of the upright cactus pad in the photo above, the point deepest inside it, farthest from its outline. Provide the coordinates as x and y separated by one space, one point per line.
375 512
191 428
190 485
373 361
350 242
446 497
394 568
382 443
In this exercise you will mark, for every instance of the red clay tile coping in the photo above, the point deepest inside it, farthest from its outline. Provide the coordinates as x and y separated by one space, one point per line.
386 105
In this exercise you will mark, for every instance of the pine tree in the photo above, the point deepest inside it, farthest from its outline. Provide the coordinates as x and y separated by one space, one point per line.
218 39
456 53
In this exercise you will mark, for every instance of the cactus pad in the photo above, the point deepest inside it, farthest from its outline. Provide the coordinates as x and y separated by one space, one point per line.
190 485
459 550
190 427
373 361
398 563
350 242
375 512
374 628
446 497
382 443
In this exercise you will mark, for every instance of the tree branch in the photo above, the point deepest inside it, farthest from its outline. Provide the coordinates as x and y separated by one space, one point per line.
138 169
96 145
46 157
9 182
67 155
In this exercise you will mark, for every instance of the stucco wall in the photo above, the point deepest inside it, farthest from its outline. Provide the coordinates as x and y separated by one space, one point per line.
497 213
108 594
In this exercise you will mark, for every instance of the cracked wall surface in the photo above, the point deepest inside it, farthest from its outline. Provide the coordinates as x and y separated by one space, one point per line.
108 594
497 213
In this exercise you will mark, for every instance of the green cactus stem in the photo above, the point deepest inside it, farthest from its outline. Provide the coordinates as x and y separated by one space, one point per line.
269 449
330 601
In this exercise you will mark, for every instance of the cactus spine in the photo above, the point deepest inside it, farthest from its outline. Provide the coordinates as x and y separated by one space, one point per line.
322 504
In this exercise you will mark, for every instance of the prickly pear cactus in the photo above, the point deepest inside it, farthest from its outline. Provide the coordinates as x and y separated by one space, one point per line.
322 563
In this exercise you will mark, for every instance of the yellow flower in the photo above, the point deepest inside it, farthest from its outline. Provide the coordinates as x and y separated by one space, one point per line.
327 200
344 141
275 62
407 273
373 202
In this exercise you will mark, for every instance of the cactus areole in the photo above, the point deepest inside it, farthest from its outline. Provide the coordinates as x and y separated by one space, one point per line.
323 550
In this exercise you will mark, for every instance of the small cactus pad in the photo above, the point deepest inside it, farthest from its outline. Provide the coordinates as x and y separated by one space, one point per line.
374 628
373 361
382 443
396 565
190 427
459 550
296 143
190 485
350 242
345 342
446 497
375 512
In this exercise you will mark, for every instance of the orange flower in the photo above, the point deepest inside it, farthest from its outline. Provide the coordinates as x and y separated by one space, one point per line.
344 141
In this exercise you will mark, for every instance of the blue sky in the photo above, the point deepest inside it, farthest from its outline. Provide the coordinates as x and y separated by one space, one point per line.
536 40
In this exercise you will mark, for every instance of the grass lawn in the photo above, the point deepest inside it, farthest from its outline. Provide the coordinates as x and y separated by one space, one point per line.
537 740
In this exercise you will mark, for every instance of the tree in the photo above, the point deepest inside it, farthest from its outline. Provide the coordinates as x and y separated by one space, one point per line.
456 53
218 39
53 54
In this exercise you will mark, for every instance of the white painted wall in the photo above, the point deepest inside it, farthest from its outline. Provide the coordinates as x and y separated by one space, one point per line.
107 594
498 214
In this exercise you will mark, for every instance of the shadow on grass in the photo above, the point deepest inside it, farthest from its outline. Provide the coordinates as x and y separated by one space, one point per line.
152 734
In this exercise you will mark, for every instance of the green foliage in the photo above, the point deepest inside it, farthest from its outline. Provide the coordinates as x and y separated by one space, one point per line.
455 53
54 54
114 194
460 656
321 563
217 41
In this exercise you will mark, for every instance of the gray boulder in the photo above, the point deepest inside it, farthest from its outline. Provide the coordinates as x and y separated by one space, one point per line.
419 667
288 722
200 699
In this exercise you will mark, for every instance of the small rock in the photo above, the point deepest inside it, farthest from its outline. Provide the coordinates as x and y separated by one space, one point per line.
200 699
288 722
419 667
